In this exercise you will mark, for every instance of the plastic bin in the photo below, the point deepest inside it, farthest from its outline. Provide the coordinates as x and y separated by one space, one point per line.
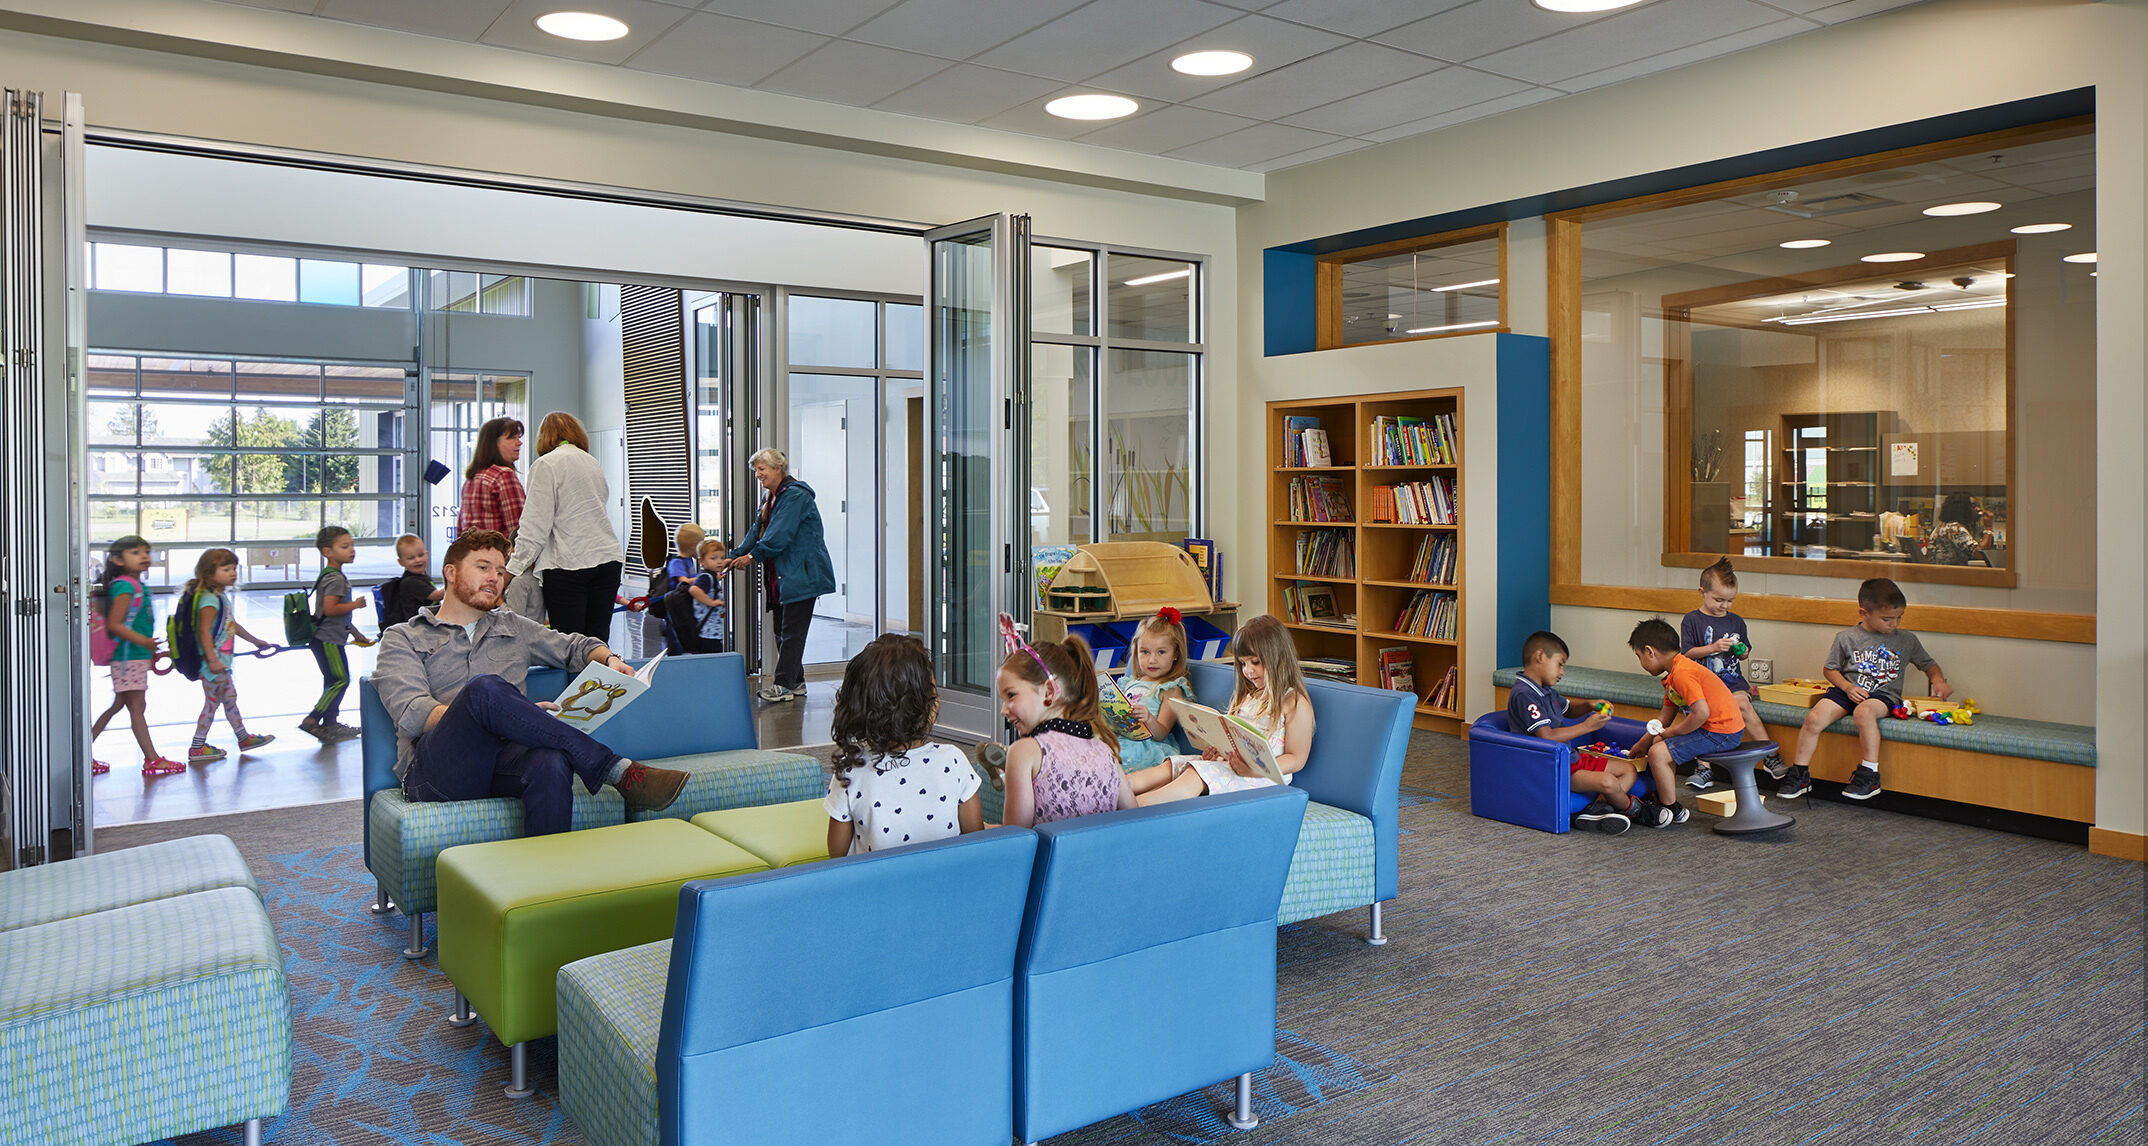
1109 647
1204 641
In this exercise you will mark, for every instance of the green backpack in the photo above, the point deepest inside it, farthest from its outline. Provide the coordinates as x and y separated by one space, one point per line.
299 621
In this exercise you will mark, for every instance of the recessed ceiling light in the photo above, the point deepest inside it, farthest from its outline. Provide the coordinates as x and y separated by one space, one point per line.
1092 106
2042 228
1583 5
1893 257
1212 63
581 26
2083 257
1946 209
1804 244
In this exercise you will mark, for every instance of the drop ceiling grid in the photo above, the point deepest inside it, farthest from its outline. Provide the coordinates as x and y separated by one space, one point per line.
1330 76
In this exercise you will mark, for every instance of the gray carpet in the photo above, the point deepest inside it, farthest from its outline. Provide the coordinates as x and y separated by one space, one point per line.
1863 977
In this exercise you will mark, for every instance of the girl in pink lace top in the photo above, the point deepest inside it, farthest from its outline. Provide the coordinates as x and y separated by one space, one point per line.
1067 762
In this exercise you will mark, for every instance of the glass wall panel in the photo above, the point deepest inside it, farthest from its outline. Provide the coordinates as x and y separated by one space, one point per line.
710 478
1061 287
116 266
1149 433
904 453
1062 445
1152 298
328 282
906 336
384 286
1448 289
833 332
833 448
185 377
265 278
205 273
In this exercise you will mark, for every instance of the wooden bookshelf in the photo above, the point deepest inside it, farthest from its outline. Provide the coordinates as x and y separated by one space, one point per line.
1378 586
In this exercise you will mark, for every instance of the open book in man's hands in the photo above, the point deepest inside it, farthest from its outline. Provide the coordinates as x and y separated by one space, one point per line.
1121 709
601 691
1230 735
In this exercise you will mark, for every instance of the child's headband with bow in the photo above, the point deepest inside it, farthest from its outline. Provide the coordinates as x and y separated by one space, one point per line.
1012 638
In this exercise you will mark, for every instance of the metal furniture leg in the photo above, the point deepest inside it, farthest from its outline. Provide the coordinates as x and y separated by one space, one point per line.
1752 816
251 1131
518 1085
381 904
463 1016
416 950
1243 1117
1378 938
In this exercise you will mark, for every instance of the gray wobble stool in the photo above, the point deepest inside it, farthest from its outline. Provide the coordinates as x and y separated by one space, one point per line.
1752 816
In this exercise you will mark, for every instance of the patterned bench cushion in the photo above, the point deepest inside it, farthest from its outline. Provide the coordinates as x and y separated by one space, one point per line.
611 1008
144 1022
741 778
1993 735
1332 869
100 882
407 837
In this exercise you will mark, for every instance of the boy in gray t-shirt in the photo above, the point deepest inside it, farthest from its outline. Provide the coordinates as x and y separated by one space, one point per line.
1865 668
333 590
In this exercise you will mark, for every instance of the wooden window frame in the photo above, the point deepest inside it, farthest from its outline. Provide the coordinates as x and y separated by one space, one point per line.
1563 233
1328 276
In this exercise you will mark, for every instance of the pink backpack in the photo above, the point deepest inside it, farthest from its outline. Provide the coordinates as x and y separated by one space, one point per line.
102 644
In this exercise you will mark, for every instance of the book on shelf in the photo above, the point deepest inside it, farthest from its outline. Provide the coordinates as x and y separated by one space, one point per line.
1319 604
601 691
1430 613
1397 672
1230 735
1430 502
1295 428
1401 440
1331 668
1319 499
1317 452
1325 553
1442 694
1203 552
1435 561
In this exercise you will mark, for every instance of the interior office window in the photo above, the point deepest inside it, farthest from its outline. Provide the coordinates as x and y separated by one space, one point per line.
1149 442
834 332
1435 287
1062 428
1151 298
1062 285
1883 367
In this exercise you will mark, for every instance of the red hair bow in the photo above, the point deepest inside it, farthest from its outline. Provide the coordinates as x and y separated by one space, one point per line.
1168 615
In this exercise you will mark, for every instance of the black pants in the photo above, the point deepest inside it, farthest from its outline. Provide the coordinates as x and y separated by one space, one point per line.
580 600
792 620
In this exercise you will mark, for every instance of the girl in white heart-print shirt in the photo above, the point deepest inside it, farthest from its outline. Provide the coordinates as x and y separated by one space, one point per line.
892 786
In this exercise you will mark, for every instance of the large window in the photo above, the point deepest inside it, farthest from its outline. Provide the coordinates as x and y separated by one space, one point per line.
251 277
1432 287
462 402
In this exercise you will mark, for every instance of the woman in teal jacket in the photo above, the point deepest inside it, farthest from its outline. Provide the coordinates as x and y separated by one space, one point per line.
786 536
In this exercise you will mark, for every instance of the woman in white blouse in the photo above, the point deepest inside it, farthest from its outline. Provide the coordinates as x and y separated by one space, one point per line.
566 531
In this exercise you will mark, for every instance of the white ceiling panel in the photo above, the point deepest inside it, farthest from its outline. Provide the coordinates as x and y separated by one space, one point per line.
1837 13
305 7
1735 42
1626 36
1444 90
1325 151
1271 43
828 17
1167 129
645 21
858 74
967 93
1359 18
1254 145
1480 28
724 50
464 20
957 29
1347 71
1031 118
1094 38
1463 115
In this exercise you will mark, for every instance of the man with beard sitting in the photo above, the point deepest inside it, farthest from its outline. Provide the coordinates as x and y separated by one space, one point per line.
452 679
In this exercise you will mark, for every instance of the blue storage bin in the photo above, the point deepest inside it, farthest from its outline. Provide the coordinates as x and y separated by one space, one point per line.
1204 641
1109 647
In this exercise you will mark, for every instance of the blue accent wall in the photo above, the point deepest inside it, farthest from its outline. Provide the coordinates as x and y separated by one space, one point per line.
1290 309
1524 591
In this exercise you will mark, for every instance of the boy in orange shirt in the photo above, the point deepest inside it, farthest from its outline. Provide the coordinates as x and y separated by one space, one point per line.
1699 717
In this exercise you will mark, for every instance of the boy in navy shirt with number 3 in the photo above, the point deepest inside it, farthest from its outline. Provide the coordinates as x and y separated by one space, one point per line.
1535 707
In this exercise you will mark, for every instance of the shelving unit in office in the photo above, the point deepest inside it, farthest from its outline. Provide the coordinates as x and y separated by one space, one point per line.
1378 586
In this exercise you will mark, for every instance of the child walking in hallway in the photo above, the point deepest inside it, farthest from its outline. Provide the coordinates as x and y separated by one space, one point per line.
123 641
208 598
337 605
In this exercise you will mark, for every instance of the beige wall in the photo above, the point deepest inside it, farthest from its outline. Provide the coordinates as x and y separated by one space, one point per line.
1845 79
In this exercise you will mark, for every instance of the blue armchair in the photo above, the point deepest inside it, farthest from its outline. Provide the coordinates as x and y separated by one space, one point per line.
1520 779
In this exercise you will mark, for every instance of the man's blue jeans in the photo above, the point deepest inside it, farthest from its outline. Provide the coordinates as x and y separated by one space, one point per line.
494 741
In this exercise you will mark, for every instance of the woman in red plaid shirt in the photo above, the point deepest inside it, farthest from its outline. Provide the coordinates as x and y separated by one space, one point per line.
491 493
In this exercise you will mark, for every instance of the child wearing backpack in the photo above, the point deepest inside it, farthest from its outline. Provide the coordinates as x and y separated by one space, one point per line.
205 605
122 619
331 633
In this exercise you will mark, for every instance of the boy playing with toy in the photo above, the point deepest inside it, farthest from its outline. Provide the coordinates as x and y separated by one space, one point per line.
1720 641
1698 717
1865 668
1535 707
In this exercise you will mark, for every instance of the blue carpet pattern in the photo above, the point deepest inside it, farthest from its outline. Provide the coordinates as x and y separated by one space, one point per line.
1861 977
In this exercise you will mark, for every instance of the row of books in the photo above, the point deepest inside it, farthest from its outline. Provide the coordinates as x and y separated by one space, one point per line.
1416 502
1325 553
1310 604
1435 562
1430 613
1396 669
1405 441
1319 499
1442 694
1305 443
1330 668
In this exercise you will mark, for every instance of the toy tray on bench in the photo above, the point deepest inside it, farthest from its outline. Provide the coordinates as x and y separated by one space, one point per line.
1590 754
1795 692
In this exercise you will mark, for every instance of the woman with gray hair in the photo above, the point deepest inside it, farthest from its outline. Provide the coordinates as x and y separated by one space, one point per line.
786 537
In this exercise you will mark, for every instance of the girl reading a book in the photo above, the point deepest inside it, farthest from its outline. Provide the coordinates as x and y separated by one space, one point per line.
1158 674
1066 763
1269 700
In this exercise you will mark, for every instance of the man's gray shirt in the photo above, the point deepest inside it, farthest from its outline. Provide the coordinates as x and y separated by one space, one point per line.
426 662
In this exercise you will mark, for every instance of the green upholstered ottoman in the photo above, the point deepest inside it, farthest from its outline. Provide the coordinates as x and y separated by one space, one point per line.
144 1022
1331 870
513 912
611 1009
100 882
740 778
779 835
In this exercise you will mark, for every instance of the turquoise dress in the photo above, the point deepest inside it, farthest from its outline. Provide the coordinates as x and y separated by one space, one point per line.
1150 695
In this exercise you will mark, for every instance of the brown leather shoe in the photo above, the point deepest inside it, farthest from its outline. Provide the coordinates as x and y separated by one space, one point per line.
647 789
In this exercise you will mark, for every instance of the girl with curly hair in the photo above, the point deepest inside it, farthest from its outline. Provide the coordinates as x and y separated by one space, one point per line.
892 785
1066 763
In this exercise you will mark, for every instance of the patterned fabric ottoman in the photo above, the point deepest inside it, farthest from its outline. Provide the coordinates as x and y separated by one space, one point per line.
779 835
611 1009
740 778
1332 868
101 882
144 1022
407 837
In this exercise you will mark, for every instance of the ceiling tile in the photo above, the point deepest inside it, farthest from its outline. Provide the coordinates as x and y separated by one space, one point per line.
1489 107
830 17
1480 28
463 20
302 6
724 50
958 29
1358 17
1352 69
1837 13
857 74
1248 5
1167 128
1325 151
1253 145
1031 118
1271 43
517 28
967 93
1104 34
1735 42
1626 36
1444 90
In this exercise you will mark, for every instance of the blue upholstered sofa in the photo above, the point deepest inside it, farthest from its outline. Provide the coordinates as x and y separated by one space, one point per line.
947 992
696 716
1521 779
